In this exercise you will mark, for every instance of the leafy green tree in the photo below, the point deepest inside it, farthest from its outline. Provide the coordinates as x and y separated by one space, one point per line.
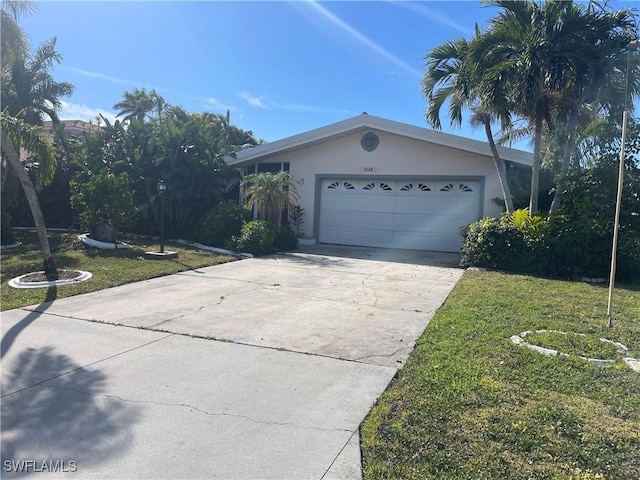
271 193
103 198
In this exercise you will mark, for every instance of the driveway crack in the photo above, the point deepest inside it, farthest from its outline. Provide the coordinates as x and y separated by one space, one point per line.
183 315
197 409
383 354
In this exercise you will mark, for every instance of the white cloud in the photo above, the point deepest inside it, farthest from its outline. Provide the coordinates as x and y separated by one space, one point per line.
100 76
433 15
363 39
252 100
218 105
77 111
267 103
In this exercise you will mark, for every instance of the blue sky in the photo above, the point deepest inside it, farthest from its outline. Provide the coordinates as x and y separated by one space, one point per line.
281 68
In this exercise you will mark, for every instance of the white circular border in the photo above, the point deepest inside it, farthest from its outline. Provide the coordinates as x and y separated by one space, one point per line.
18 283
519 340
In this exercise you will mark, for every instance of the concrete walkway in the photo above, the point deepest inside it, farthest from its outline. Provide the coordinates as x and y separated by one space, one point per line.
311 339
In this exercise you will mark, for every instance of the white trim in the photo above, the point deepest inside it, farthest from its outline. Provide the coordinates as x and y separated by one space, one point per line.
84 238
17 282
364 122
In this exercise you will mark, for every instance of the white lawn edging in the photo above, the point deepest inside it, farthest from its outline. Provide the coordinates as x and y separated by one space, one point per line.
84 238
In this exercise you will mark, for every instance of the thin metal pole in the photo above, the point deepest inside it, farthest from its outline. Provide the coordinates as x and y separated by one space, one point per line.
161 222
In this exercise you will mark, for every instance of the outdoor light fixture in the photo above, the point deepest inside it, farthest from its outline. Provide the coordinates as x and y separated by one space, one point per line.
161 189
616 226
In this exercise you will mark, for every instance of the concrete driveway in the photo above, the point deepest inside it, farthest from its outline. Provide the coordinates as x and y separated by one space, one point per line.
309 340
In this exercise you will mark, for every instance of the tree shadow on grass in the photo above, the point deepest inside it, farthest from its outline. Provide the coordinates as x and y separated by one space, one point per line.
66 418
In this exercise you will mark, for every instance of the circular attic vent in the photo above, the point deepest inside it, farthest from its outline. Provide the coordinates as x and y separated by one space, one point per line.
369 141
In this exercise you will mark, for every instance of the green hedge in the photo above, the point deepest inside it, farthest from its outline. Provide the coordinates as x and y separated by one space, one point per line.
561 249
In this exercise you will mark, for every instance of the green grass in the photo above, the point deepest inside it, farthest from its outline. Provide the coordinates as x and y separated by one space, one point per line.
589 346
109 267
471 405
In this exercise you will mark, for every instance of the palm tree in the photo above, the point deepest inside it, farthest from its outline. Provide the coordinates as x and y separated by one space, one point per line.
593 84
541 53
139 104
16 134
452 77
13 38
272 193
28 93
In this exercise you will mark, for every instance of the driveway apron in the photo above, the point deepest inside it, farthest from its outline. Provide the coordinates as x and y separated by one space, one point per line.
260 368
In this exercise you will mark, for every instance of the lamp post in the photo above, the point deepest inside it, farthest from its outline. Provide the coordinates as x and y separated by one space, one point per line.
616 224
161 189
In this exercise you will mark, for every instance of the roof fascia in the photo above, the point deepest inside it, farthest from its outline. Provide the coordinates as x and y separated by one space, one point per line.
364 122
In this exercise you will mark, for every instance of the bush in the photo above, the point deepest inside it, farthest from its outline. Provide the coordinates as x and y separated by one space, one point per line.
256 237
103 199
498 244
286 239
577 249
6 234
223 222
567 249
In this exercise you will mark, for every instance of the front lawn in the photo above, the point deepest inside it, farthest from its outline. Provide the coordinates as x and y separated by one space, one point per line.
109 267
470 404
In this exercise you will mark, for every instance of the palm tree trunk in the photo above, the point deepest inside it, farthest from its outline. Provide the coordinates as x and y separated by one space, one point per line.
566 162
501 168
32 198
535 167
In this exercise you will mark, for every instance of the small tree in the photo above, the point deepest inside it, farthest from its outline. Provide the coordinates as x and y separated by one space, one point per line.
272 192
104 200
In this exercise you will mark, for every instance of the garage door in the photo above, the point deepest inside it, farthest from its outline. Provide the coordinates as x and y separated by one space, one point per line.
409 214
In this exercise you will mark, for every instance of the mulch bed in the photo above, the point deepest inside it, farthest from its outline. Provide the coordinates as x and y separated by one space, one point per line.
41 277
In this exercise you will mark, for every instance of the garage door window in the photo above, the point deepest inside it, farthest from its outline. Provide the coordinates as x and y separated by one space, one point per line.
380 186
420 186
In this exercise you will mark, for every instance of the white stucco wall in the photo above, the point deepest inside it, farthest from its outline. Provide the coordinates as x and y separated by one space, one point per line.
395 156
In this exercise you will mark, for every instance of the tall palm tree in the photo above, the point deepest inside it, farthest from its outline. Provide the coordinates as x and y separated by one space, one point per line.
13 38
272 193
594 82
16 134
542 52
28 94
139 103
453 77
29 90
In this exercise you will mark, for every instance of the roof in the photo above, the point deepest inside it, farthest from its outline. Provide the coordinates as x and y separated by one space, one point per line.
71 127
366 122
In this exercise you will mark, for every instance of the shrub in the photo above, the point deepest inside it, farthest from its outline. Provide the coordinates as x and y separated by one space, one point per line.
104 198
223 222
567 249
492 243
256 237
286 239
6 234
531 226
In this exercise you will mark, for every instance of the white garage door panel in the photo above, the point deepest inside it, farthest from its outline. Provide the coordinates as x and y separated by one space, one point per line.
418 214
